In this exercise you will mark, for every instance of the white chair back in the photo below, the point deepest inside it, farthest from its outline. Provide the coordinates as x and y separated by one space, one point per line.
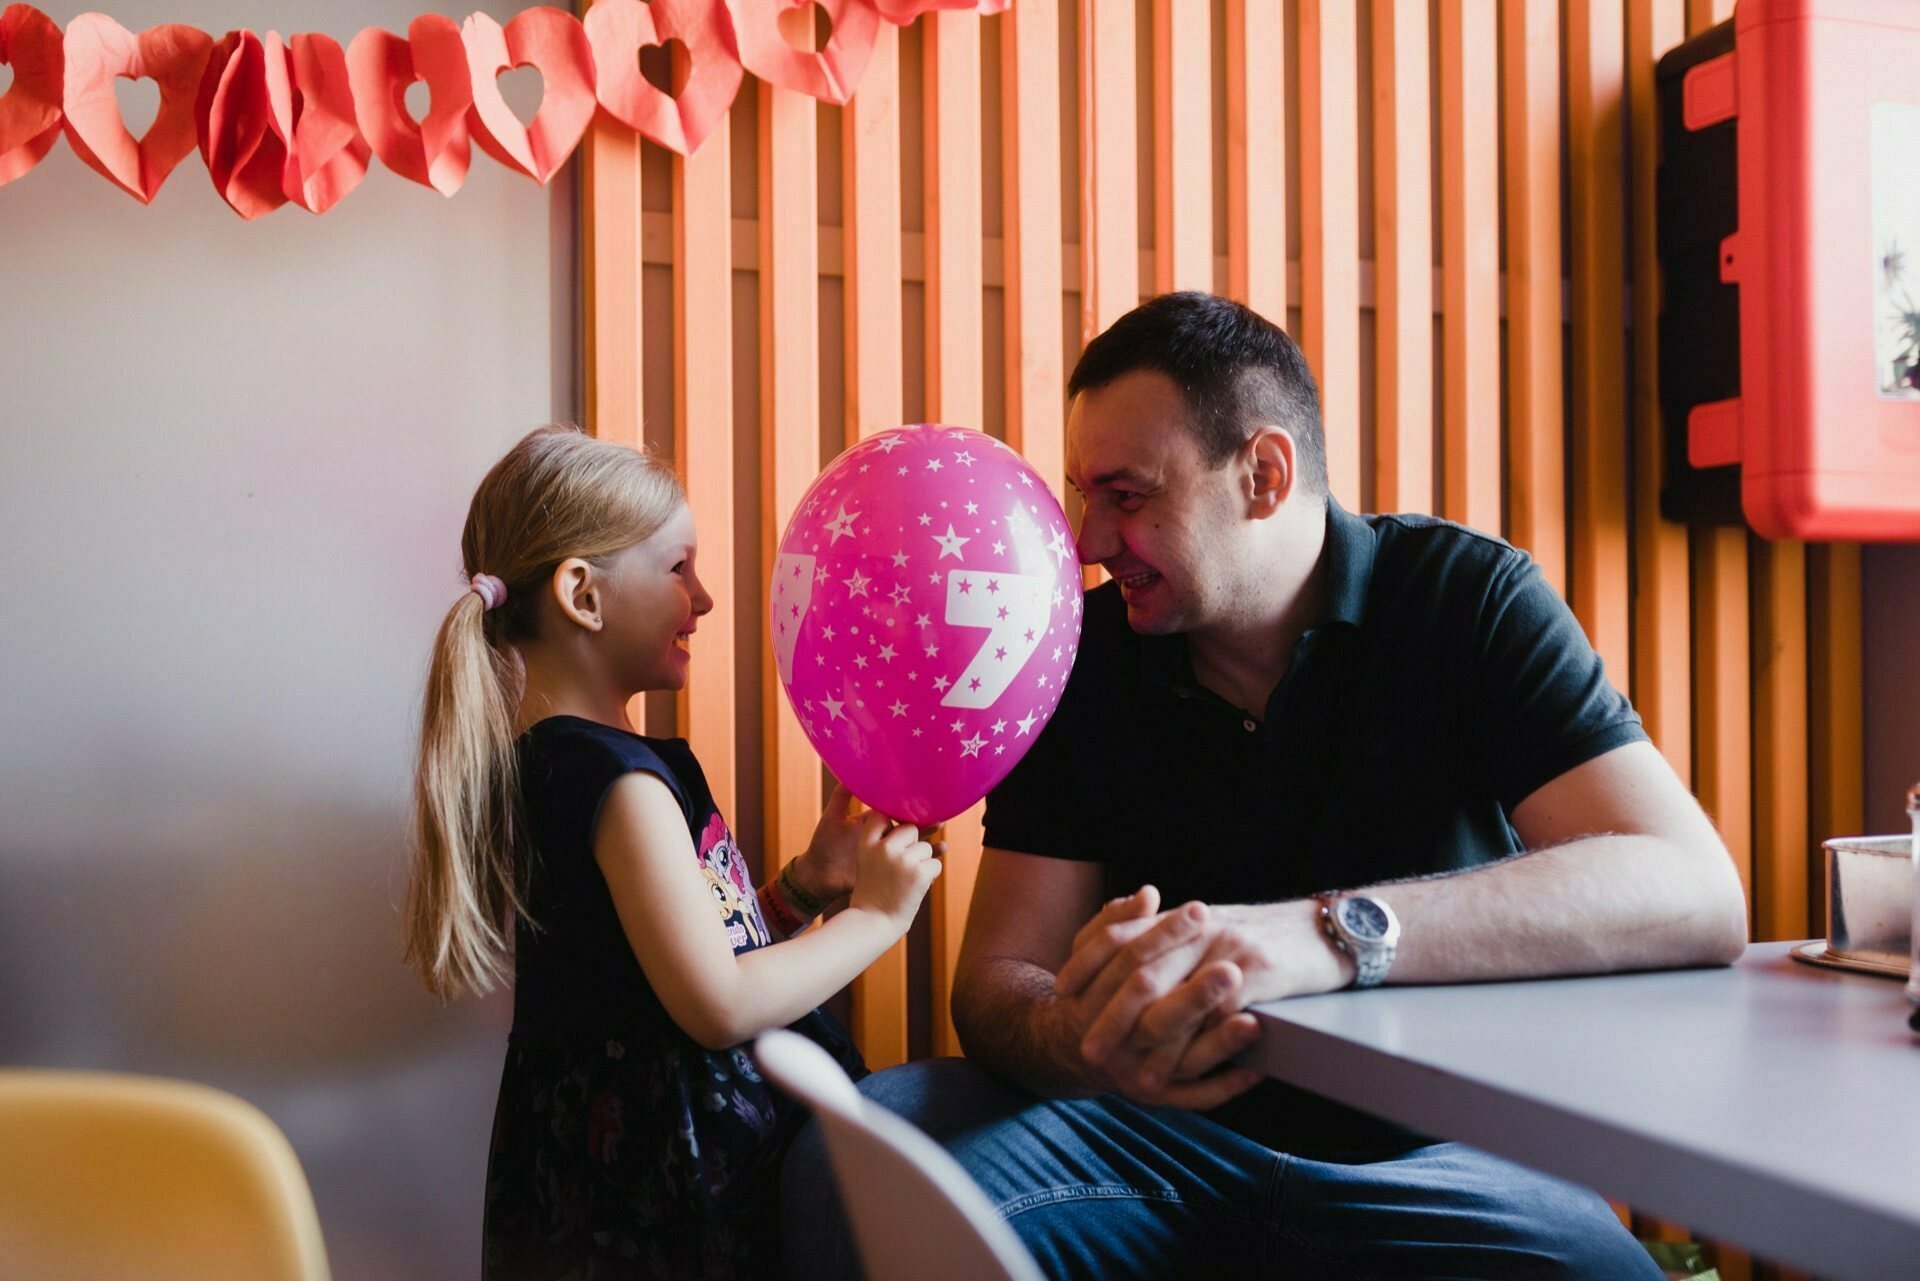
916 1214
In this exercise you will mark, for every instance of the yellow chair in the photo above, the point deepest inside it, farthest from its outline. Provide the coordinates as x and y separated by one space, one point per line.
105 1176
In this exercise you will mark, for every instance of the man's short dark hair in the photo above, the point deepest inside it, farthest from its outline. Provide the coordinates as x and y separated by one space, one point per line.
1236 370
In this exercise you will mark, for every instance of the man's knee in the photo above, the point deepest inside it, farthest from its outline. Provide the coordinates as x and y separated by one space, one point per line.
1586 1239
943 1096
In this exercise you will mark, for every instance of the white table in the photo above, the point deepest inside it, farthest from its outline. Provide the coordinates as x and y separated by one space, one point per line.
1772 1105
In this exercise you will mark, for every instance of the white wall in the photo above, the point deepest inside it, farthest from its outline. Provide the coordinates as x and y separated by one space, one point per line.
234 460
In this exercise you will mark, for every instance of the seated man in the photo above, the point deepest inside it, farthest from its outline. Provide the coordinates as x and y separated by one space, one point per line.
1295 728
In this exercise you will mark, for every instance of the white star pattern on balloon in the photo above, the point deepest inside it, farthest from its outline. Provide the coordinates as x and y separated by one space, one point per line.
1057 544
841 526
951 543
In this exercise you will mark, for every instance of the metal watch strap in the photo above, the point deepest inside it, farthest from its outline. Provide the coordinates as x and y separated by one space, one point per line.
1370 963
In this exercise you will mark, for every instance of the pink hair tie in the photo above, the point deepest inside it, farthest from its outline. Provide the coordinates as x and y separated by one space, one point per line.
493 592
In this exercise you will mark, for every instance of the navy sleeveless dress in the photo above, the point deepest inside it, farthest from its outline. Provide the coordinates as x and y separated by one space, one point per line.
621 1147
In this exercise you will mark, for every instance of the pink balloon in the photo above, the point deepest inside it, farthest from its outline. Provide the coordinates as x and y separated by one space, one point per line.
925 613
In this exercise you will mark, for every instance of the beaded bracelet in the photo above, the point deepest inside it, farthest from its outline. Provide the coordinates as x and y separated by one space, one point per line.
778 914
808 903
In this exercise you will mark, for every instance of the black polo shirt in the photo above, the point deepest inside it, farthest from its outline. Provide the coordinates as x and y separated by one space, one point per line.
1446 682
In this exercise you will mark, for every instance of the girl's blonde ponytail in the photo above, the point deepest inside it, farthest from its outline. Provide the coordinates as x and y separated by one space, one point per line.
464 892
557 494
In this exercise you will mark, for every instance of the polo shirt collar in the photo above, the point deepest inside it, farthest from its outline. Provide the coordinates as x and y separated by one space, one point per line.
1349 553
1348 549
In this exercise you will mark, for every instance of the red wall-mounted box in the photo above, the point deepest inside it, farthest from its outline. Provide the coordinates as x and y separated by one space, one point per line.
1823 426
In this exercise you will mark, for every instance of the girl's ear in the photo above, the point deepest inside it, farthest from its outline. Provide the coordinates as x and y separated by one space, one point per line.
576 590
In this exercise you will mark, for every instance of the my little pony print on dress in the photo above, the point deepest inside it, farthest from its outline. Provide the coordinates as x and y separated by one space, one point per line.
732 889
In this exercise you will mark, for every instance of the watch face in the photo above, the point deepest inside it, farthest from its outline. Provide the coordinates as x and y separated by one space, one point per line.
1363 918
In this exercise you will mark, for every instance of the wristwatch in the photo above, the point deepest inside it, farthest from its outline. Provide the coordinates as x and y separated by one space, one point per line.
1364 928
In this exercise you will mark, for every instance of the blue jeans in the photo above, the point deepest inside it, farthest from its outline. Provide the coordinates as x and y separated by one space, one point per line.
1103 1188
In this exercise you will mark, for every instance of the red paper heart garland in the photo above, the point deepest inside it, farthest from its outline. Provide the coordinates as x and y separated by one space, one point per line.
173 56
619 29
298 120
433 152
30 109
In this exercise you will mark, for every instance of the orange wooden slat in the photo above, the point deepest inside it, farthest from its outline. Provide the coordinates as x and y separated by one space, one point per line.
1662 684
1596 83
1256 152
1403 259
870 156
1183 145
1536 477
1036 374
1330 231
610 272
955 382
1836 698
1704 14
703 440
1470 260
954 271
1030 158
789 426
1718 568
1109 200
1722 723
1782 862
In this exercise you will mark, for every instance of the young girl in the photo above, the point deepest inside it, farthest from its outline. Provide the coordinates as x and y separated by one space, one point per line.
633 1137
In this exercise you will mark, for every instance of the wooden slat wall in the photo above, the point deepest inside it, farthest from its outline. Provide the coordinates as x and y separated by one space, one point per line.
1183 145
790 344
1536 435
1403 464
870 160
1662 637
1596 80
956 386
703 381
1743 657
1470 222
1329 229
1257 97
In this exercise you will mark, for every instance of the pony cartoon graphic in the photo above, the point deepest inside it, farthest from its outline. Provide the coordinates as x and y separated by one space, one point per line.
727 881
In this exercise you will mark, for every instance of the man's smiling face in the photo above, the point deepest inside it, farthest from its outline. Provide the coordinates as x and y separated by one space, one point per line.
1167 527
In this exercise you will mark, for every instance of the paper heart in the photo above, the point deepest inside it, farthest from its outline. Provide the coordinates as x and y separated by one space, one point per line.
553 42
434 152
30 111
619 29
312 99
903 12
245 155
173 56
828 74
276 123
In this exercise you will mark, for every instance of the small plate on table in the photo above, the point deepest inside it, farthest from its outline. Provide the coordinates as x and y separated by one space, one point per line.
1816 953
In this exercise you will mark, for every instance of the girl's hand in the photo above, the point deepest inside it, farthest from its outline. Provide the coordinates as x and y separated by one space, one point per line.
894 871
827 869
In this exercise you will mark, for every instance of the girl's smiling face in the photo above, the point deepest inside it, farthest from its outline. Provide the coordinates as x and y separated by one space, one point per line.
653 602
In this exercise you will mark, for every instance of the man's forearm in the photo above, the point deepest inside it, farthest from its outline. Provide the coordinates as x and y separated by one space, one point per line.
1010 1022
1599 904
